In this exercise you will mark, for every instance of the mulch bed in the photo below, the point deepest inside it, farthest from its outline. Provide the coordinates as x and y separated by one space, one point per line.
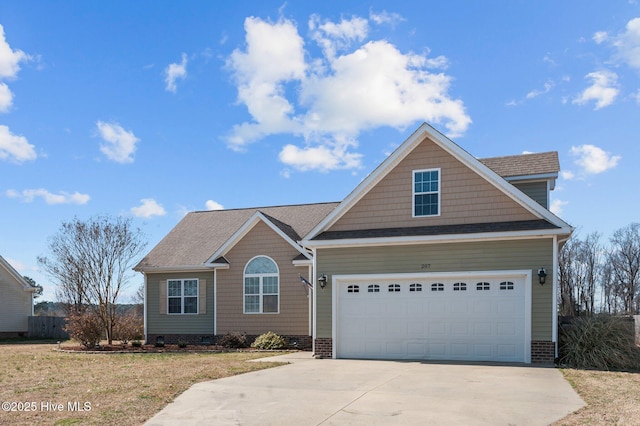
119 348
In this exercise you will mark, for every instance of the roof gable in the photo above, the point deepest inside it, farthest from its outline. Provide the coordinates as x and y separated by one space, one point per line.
427 134
286 232
16 277
192 243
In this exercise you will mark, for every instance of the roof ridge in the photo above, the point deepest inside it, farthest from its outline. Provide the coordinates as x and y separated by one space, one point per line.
267 207
517 155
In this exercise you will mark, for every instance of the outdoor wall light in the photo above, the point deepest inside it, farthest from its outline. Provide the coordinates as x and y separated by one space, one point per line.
542 275
322 280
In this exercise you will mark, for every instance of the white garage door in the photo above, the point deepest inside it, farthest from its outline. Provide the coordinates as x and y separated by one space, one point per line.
473 316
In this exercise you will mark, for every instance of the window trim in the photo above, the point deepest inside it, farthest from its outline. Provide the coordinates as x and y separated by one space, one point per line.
261 292
182 296
413 192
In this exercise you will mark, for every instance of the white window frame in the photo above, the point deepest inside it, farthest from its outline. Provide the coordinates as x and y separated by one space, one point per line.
414 193
182 296
261 292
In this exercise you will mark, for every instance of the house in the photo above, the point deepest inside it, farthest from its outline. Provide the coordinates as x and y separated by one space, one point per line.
16 303
435 255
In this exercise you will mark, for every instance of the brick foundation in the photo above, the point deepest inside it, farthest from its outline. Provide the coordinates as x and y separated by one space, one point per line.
324 348
542 352
293 342
12 334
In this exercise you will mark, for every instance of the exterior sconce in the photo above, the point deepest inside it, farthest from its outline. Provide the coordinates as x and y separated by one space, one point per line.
322 280
542 276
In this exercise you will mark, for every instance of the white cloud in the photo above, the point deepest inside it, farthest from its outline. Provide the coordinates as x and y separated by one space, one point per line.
29 195
329 100
6 98
9 59
557 206
15 148
120 144
213 205
600 37
385 17
568 175
594 160
627 44
175 71
603 90
320 158
148 208
537 92
333 37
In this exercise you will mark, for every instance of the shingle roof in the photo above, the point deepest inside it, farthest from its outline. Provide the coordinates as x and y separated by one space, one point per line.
200 234
524 164
470 228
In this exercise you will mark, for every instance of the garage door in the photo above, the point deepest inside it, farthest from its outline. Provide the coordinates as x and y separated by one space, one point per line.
473 317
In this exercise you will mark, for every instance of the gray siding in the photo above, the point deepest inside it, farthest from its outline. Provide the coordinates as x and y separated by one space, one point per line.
158 323
477 256
536 191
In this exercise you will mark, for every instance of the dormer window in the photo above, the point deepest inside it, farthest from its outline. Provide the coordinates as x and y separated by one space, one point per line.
426 192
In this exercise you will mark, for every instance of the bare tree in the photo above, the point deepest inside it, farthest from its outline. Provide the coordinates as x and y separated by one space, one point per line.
589 258
566 277
91 263
624 260
579 268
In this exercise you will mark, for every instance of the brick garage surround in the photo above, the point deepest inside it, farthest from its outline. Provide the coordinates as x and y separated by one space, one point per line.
543 352
323 348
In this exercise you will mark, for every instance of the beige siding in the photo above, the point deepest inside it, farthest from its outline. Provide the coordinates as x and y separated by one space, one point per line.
537 191
465 196
293 318
158 322
478 256
15 305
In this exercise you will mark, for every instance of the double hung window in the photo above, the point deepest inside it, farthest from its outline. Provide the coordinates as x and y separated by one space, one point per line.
426 192
182 296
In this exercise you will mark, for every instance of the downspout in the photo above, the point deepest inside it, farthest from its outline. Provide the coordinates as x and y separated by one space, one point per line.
215 303
310 300
144 307
314 282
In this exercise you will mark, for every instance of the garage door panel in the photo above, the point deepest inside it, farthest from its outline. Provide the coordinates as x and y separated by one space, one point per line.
465 319
417 349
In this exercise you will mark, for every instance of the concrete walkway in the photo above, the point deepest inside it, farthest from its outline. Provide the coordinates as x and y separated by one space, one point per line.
339 392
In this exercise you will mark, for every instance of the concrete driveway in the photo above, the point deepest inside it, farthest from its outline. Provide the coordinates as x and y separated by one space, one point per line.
339 392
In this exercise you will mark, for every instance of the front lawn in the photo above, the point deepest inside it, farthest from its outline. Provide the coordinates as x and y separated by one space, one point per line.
49 387
613 398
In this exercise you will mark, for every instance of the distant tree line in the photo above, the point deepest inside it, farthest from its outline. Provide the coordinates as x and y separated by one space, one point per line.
598 278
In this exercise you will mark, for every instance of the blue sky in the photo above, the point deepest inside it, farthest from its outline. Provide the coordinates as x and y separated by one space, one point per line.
151 109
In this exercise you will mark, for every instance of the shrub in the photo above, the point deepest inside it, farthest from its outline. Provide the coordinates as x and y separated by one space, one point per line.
136 344
269 340
599 342
182 344
234 340
128 327
85 327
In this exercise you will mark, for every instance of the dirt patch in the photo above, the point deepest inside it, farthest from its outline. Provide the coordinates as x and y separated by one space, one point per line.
613 398
47 386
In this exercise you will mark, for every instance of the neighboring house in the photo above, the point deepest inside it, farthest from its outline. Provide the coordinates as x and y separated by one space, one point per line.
16 302
435 255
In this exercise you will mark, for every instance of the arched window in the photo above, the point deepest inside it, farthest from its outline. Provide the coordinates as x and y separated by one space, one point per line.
261 286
